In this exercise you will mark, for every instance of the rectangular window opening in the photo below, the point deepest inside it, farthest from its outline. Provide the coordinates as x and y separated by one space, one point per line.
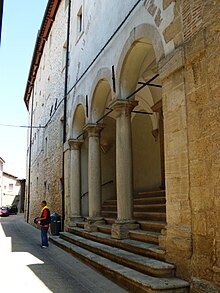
10 187
80 21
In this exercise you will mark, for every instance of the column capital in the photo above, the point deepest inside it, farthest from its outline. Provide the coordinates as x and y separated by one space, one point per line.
75 144
93 129
123 106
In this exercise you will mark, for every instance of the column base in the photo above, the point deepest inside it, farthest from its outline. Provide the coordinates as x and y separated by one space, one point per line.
92 223
120 229
75 219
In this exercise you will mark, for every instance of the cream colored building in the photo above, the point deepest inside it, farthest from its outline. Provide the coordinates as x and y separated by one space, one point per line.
9 187
10 190
139 105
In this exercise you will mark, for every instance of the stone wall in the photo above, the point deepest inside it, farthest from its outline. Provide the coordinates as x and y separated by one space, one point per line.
202 94
191 110
178 233
46 166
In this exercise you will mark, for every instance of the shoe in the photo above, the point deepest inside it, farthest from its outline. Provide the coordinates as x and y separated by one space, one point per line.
44 246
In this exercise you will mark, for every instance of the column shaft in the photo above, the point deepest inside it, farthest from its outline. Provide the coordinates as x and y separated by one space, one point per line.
94 170
75 178
124 168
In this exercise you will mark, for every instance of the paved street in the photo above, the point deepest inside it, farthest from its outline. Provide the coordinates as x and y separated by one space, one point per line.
26 267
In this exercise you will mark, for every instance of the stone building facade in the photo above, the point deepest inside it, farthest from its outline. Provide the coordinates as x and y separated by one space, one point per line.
142 109
43 97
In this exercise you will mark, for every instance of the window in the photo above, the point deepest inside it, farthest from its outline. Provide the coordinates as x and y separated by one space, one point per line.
51 110
66 4
79 21
64 56
50 41
10 187
45 187
55 105
61 130
46 146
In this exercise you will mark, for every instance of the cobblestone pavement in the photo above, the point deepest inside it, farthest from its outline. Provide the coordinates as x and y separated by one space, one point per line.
26 267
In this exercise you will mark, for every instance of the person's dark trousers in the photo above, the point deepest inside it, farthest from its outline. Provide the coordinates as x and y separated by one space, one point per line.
44 237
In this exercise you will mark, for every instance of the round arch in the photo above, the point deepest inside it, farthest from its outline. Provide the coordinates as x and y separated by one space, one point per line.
78 121
142 50
101 94
138 63
101 97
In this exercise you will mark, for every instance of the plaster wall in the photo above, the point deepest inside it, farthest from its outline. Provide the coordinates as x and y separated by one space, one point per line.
146 155
98 27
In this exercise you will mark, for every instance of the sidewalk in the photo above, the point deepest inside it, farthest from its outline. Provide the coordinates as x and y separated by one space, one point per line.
26 267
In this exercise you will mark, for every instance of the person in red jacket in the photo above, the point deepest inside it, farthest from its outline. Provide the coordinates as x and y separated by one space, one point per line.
44 220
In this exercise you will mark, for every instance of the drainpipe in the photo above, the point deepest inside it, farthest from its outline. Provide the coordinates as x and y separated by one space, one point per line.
65 111
30 149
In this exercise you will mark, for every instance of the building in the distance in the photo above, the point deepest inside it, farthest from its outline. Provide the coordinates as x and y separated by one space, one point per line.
10 190
124 105
1 178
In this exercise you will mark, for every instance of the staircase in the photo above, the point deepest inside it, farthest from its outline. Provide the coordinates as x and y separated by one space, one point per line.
137 263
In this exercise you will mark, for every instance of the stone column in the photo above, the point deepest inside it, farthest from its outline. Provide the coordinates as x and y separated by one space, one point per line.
66 151
94 174
124 169
75 181
158 107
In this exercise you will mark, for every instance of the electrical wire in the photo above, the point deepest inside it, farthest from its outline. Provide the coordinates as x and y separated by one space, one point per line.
20 126
93 61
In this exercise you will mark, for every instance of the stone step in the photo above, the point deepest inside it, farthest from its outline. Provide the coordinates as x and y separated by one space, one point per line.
145 249
137 262
109 221
109 214
150 207
156 226
130 279
144 200
154 216
145 207
150 200
105 228
146 236
110 201
80 224
150 194
144 225
109 207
